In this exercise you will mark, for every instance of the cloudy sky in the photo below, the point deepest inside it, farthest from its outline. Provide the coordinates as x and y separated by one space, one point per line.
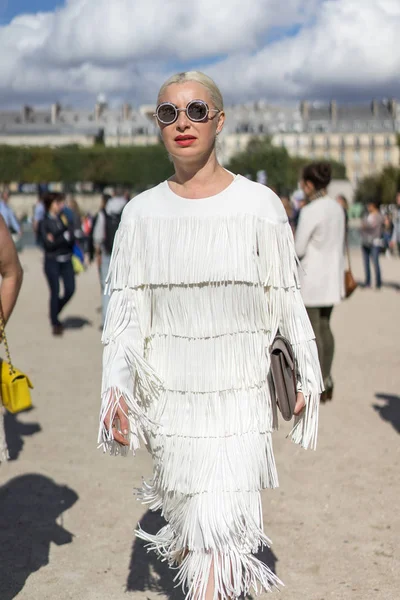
72 50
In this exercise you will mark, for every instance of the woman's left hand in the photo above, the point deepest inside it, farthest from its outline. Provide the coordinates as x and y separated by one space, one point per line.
300 403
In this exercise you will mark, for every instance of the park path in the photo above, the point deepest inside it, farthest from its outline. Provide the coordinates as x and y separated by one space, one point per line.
67 513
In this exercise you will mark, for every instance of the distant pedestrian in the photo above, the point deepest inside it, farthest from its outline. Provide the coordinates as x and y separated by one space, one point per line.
11 281
73 212
387 234
395 241
57 234
345 205
91 249
104 231
289 209
372 242
320 243
38 215
299 201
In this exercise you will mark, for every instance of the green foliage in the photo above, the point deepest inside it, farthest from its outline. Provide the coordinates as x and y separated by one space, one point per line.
138 167
381 187
283 171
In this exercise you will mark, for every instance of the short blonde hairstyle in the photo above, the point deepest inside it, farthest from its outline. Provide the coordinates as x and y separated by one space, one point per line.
199 77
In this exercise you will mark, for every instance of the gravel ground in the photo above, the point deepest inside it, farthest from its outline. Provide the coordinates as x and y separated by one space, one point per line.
67 513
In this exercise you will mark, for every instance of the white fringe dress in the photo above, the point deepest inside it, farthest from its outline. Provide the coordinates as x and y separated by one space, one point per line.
198 291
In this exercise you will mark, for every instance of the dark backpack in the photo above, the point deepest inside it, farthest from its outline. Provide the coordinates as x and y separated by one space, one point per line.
111 225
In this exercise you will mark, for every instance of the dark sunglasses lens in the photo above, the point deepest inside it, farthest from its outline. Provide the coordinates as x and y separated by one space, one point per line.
197 111
166 113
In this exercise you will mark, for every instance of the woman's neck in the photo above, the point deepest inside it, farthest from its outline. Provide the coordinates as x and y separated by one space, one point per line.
318 194
197 174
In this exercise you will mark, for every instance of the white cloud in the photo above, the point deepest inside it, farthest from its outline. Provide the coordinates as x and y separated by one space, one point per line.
350 51
344 48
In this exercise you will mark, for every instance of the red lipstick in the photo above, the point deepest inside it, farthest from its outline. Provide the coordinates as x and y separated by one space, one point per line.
185 140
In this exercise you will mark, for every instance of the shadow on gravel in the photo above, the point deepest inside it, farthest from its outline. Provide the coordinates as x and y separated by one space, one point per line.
29 508
392 284
76 323
147 573
390 411
16 431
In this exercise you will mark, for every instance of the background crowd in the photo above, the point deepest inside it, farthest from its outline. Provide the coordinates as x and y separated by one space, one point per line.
72 240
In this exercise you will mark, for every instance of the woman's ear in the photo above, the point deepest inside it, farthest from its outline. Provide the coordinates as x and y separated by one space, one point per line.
221 121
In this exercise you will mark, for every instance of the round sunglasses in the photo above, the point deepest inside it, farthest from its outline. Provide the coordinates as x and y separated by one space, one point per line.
197 111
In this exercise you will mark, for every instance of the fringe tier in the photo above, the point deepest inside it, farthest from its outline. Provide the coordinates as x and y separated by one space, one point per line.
235 572
195 305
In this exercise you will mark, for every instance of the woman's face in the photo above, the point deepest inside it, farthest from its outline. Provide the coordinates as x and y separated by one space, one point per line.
186 140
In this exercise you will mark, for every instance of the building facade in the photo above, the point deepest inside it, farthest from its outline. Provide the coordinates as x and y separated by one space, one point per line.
363 137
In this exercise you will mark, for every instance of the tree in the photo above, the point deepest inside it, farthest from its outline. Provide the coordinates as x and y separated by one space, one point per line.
259 155
41 166
283 171
138 167
381 187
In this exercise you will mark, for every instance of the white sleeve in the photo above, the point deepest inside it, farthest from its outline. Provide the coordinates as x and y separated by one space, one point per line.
126 373
288 314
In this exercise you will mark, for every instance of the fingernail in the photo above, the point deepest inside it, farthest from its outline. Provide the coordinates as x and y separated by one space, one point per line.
125 431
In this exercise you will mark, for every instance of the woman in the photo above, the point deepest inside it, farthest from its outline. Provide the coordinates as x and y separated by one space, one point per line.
202 274
11 281
57 234
372 243
320 243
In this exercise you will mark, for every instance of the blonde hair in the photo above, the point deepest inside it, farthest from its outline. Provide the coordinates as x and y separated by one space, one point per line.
199 77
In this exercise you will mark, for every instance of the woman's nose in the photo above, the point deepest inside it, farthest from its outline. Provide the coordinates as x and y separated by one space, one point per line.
182 121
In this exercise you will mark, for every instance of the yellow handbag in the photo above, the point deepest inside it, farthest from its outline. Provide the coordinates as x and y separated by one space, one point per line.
14 385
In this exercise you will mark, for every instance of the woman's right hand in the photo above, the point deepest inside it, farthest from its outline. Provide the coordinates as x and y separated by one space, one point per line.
120 424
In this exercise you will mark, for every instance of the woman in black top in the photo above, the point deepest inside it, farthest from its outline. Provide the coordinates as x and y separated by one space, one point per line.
58 239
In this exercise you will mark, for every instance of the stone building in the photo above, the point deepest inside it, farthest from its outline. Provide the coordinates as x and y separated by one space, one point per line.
59 126
362 136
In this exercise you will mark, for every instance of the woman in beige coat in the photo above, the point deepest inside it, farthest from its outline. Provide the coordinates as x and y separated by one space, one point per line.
320 242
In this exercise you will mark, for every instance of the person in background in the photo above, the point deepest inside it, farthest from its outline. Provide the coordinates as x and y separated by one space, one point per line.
345 205
91 249
387 233
320 242
395 241
38 215
299 202
8 214
73 213
289 209
11 280
57 234
372 243
104 231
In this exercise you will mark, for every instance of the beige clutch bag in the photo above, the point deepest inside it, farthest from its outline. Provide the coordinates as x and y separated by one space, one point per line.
283 375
